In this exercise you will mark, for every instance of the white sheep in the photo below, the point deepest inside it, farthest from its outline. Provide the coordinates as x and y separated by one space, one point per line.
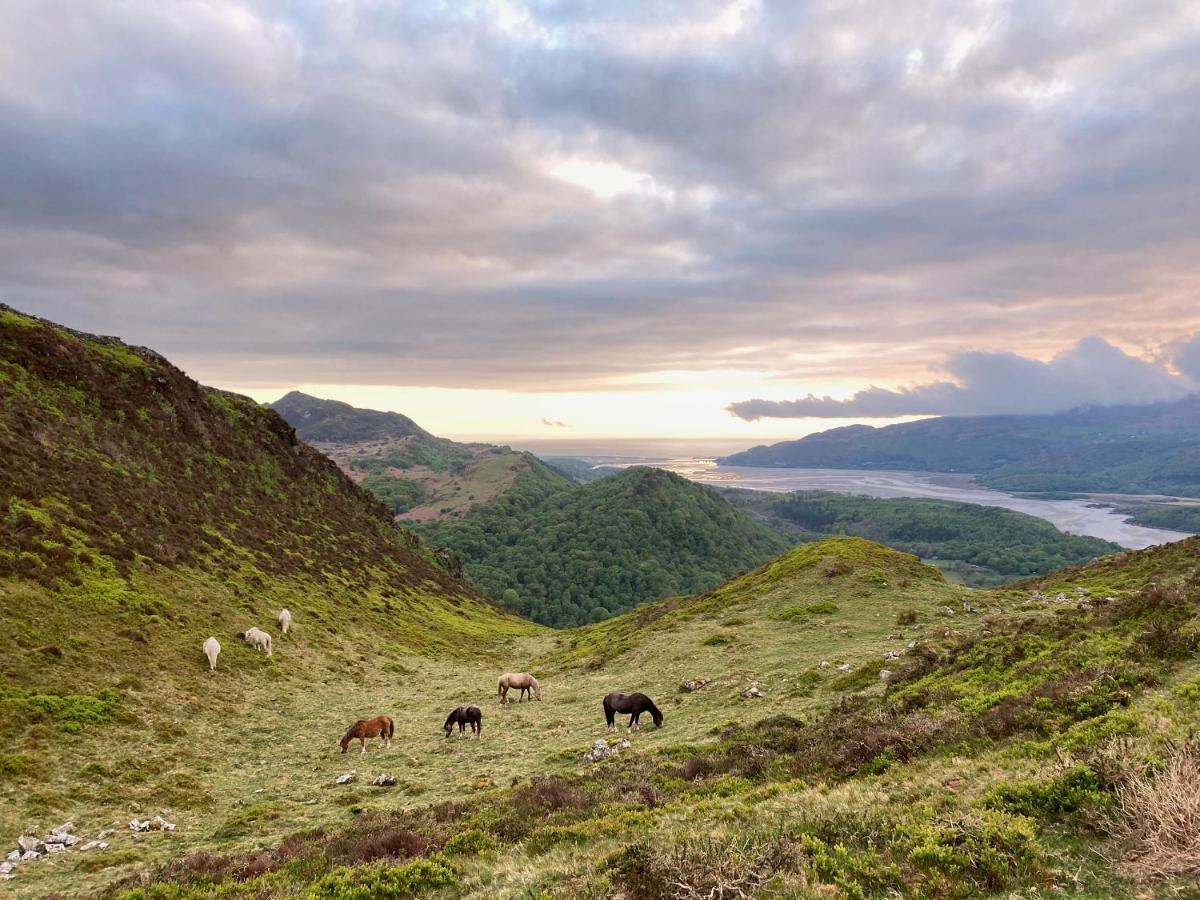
258 638
285 620
212 649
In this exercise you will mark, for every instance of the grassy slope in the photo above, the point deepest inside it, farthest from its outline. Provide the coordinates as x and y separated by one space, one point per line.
142 513
975 773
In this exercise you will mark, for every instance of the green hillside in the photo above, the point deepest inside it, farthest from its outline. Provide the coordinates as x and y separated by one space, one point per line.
1152 449
980 545
566 556
418 476
1033 742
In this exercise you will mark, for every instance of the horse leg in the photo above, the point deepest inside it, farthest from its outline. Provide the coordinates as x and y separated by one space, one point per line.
363 741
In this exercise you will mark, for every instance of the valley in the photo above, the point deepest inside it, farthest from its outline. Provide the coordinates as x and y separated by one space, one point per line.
840 721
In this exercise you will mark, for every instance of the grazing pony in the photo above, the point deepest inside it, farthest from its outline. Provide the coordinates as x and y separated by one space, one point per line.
212 649
634 704
381 727
258 639
523 680
462 717
285 620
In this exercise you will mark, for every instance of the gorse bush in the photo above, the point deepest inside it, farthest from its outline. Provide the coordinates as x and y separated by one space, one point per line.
382 880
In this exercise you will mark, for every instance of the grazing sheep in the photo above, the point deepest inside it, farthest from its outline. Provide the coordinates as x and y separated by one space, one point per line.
285 620
258 638
212 649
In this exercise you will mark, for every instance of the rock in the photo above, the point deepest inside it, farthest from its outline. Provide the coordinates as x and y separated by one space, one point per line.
65 828
885 674
824 664
260 790
55 848
29 842
948 610
103 845
893 654
107 832
695 684
32 829
14 856
90 845
844 667
384 781
5 868
602 749
161 824
752 691
30 855
344 779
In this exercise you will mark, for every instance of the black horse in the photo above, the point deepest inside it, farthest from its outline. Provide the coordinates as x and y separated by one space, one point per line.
634 704
464 716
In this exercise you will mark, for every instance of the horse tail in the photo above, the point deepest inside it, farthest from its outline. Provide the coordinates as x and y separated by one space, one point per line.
500 686
537 688
609 714
391 727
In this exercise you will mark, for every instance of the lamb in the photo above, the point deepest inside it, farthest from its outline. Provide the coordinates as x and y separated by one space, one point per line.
212 649
258 638
285 620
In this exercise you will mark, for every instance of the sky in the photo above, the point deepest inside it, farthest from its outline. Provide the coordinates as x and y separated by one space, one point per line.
584 219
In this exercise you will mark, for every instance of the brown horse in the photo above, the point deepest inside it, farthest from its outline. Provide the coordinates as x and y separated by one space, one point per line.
523 680
381 727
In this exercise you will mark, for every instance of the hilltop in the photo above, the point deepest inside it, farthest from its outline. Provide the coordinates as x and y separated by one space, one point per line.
979 545
567 556
420 477
1152 449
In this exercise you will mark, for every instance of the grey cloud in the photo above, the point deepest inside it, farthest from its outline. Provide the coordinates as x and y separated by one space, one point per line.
363 192
555 423
1093 373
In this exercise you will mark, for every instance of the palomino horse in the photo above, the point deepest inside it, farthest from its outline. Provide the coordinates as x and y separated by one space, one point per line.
381 727
523 680
634 705
462 717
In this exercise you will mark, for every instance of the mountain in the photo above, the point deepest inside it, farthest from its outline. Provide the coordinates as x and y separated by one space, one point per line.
1121 449
979 545
331 421
565 556
419 476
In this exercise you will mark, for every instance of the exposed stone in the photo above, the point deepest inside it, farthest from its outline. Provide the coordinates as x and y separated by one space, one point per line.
384 781
29 842
55 848
30 855
90 845
695 684
344 779
5 868
753 690
885 674
844 667
602 749
107 832
14 856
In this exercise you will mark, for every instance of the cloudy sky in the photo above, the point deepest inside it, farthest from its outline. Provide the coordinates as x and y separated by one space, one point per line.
621 217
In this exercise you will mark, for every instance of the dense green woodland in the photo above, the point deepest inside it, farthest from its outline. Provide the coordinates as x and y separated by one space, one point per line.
980 544
567 556
1122 449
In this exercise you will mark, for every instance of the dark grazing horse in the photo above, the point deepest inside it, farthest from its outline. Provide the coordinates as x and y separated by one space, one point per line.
634 705
462 717
381 727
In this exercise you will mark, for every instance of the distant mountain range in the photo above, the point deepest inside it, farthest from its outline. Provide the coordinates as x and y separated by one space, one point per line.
1152 449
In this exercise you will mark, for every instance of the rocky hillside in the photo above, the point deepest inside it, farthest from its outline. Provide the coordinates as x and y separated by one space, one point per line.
419 477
